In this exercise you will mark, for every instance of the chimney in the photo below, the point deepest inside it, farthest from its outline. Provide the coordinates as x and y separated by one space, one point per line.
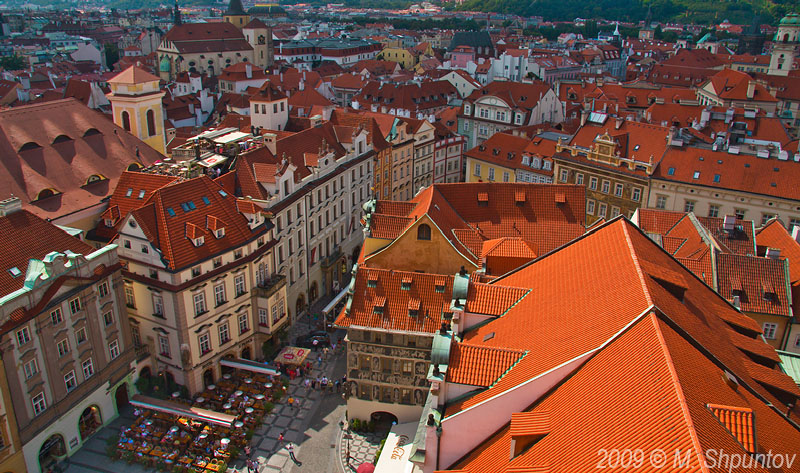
248 70
269 140
10 205
618 123
773 253
302 84
751 89
584 116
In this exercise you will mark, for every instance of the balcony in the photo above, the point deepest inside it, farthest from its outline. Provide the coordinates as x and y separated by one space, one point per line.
332 258
269 286
142 352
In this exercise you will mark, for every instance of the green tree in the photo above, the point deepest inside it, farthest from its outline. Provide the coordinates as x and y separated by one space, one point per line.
13 63
112 54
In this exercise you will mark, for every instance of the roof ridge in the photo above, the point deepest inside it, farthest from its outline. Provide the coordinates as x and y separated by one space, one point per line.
635 260
679 392
511 367
488 347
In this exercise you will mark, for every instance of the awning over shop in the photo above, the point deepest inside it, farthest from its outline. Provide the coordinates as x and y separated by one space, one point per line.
213 160
182 410
292 355
230 137
332 304
210 134
248 365
397 450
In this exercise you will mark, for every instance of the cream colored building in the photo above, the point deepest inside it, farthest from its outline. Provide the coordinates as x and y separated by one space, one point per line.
200 283
136 106
203 48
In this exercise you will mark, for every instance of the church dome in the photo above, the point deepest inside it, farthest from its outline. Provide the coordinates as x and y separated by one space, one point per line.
790 19
269 10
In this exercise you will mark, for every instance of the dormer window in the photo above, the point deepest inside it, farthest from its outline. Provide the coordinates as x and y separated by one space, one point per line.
108 222
220 232
198 241
439 285
405 283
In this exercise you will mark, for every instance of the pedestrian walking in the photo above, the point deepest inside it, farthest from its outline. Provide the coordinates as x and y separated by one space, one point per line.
291 402
325 353
290 448
307 383
319 361
251 466
337 385
247 451
280 437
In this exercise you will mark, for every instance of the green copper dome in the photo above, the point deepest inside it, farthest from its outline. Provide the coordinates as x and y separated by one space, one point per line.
791 19
164 65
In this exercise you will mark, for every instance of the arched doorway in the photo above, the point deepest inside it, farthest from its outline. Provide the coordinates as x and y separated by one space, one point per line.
145 372
121 397
383 420
208 377
313 293
89 421
53 451
300 305
246 354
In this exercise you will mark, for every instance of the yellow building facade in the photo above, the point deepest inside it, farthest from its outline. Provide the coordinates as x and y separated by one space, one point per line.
479 170
399 55
136 106
11 457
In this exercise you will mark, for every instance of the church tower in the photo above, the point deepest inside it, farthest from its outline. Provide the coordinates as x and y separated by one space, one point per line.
136 106
236 15
785 45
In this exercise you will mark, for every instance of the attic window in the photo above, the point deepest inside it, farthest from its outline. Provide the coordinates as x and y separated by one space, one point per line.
109 222
439 285
716 177
413 307
223 193
372 281
45 193
95 178
141 194
220 232
405 283
671 172
379 305
171 211
15 272
483 199
769 291
696 175
636 148
519 197
61 139
560 198
129 192
488 337
198 241
29 146
205 200
92 132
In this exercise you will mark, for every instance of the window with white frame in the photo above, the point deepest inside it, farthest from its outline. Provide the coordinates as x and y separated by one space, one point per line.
766 217
614 211
618 190
263 317
204 342
102 289
163 346
219 294
661 202
113 349
69 381
491 174
56 317
506 177
74 306
546 164
770 330
199 303
713 210
579 179
108 318
477 169
590 207
39 404
593 183
62 347
636 194
31 368
564 175
244 324
688 206
88 368
224 333
158 305
606 187
601 210
130 300
238 284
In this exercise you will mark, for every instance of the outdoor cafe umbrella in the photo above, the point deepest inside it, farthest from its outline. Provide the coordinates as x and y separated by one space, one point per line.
292 356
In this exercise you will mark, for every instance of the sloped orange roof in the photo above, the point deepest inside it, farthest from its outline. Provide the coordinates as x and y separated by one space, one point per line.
397 301
756 276
492 300
479 365
775 235
739 421
133 75
508 247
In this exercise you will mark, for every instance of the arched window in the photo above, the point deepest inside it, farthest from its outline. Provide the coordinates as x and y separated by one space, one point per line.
786 38
423 232
126 121
151 123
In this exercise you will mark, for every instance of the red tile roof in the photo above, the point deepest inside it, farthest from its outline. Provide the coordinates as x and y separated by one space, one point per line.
207 37
24 236
478 365
59 145
755 277
775 235
728 84
168 233
133 75
486 299
395 301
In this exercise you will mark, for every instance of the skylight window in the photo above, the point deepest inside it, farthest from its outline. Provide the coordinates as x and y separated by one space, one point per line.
206 201
191 205
716 177
15 272
141 194
671 171
129 193
636 148
223 193
171 211
185 207
696 175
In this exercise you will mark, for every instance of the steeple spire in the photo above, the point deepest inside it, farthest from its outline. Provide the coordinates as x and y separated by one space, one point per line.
177 15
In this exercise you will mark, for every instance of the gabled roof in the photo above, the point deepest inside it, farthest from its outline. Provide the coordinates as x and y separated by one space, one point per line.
479 365
167 233
775 235
689 342
733 85
133 191
24 236
519 96
760 283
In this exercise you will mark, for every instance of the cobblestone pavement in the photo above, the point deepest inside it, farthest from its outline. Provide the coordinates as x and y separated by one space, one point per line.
312 426
356 448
